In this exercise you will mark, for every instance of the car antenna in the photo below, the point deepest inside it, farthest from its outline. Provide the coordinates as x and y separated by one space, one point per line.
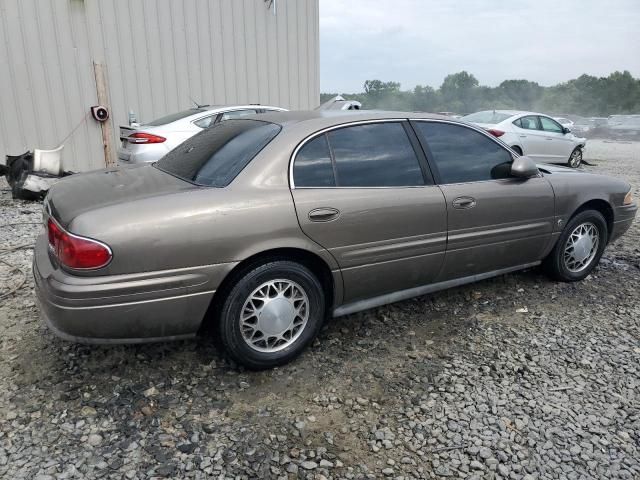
196 103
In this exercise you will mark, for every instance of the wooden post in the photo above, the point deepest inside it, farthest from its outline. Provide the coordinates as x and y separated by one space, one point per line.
103 99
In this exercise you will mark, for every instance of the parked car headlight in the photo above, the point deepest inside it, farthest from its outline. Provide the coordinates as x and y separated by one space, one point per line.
628 198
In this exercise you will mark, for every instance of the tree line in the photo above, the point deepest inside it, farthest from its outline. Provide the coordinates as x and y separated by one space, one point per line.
618 93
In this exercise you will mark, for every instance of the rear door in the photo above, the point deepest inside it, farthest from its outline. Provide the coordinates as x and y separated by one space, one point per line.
496 221
364 193
531 137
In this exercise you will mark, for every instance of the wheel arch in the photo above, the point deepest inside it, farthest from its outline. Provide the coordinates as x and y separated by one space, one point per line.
517 148
331 282
601 206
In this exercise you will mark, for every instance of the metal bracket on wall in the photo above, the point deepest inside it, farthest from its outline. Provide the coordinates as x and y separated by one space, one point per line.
274 3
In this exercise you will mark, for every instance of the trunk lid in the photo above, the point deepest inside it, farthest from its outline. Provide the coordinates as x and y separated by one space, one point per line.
84 192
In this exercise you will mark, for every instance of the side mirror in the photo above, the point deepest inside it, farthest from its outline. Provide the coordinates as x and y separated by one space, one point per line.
524 167
566 130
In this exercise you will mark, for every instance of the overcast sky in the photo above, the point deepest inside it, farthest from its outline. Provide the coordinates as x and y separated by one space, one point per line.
421 41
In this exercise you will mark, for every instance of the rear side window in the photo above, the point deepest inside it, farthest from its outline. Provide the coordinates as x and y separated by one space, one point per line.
237 114
463 155
375 155
214 157
206 122
372 155
487 116
529 123
175 117
313 166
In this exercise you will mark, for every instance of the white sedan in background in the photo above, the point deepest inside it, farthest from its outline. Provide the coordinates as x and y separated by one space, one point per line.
151 141
528 133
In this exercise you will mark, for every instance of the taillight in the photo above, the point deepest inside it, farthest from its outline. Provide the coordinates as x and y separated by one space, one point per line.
495 132
74 251
143 137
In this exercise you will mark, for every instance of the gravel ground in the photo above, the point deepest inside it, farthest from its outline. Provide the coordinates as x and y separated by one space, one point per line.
516 377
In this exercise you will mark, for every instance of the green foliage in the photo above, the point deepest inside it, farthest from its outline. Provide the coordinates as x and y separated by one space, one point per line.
461 92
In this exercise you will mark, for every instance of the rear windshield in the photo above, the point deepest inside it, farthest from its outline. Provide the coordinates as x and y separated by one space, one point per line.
487 116
214 157
175 116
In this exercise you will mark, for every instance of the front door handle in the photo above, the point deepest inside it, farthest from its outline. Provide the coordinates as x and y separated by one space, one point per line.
522 136
548 138
325 214
464 202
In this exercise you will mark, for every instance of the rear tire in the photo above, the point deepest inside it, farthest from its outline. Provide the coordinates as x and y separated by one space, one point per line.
575 159
579 248
271 314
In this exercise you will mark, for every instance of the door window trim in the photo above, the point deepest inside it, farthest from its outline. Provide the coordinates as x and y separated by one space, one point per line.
429 182
429 154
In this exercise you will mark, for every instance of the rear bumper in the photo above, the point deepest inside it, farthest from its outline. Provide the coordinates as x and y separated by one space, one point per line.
624 217
135 308
142 154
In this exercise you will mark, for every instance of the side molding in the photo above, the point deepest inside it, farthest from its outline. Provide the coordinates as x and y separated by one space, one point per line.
423 290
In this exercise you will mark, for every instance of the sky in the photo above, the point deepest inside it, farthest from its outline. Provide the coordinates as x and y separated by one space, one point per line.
419 42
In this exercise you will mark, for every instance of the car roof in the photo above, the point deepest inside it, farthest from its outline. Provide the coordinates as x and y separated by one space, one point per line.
204 111
303 123
513 113
239 107
339 116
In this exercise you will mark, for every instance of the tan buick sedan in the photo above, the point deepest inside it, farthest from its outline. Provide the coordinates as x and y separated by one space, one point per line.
265 226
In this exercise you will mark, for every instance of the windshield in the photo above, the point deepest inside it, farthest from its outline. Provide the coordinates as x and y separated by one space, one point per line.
175 116
488 116
214 157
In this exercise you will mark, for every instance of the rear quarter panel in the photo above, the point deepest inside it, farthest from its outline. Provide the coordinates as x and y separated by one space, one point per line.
204 225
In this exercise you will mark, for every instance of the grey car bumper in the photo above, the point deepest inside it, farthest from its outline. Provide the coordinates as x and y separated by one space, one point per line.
145 307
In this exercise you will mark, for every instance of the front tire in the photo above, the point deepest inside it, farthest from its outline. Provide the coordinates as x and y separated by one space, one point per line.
575 159
271 314
579 248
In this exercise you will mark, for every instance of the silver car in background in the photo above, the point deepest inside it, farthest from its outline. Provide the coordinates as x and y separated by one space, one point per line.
533 134
151 141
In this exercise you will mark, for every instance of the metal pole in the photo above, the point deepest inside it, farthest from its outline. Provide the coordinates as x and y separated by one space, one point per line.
103 99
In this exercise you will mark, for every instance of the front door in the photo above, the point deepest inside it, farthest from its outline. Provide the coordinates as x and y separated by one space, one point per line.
364 193
495 221
558 144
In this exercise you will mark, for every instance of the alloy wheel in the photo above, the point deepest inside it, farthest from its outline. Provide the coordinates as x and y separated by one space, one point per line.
576 158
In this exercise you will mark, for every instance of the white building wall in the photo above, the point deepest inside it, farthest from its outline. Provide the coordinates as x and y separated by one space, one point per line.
158 54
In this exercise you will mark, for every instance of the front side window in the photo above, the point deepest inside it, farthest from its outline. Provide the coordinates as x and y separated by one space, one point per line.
529 123
549 125
463 155
375 155
214 157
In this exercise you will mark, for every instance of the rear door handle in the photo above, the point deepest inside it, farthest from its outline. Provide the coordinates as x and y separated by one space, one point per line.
324 214
464 203
522 136
549 138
